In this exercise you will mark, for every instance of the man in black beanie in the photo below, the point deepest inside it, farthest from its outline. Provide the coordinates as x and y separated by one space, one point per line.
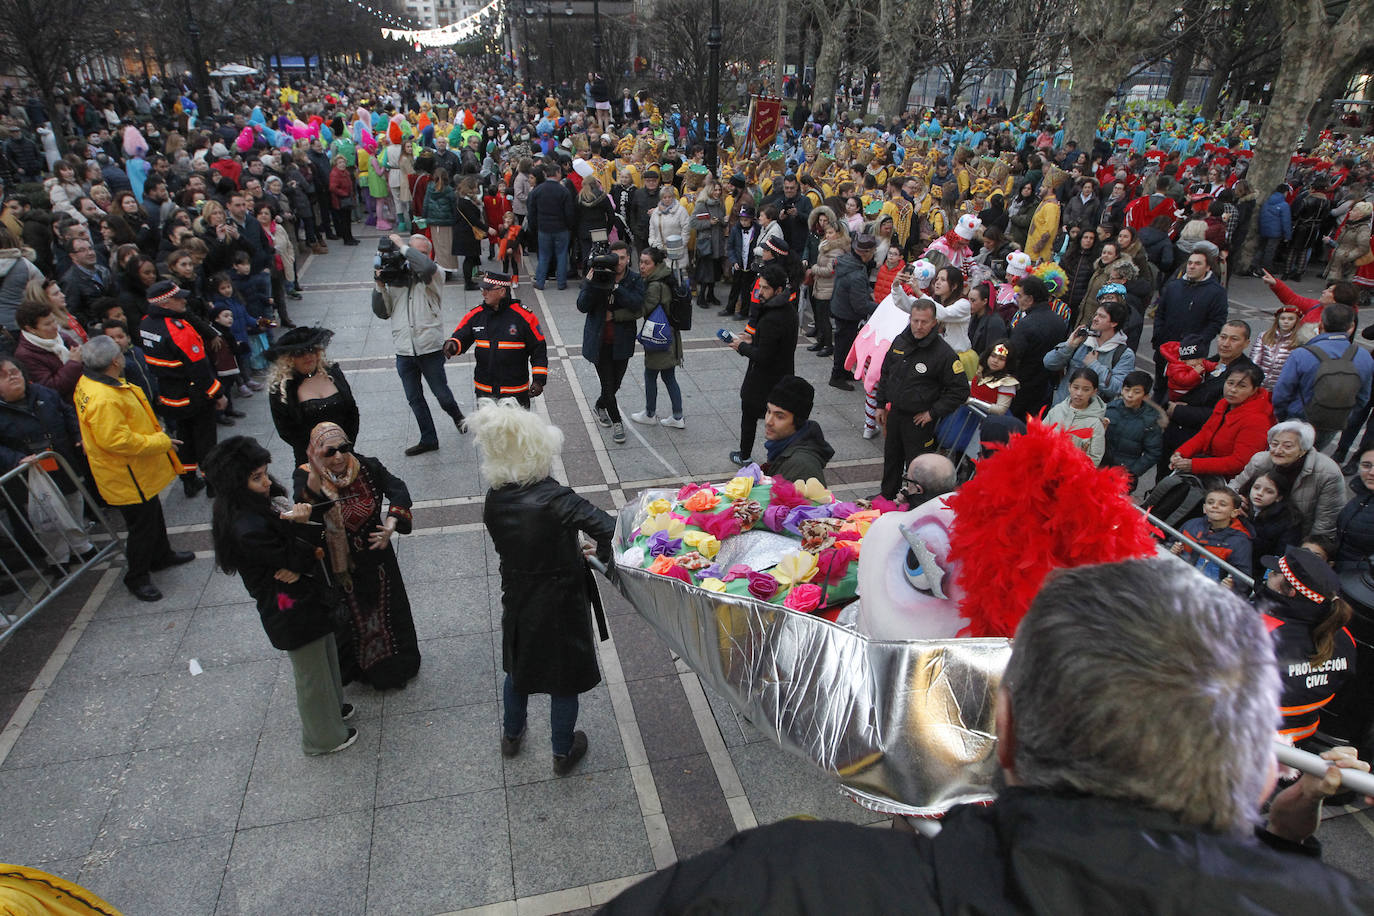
796 447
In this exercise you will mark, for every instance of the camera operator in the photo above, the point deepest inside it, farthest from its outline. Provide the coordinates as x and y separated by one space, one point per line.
612 298
409 293
505 337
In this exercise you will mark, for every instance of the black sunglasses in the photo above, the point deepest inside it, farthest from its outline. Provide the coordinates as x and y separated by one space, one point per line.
345 449
915 487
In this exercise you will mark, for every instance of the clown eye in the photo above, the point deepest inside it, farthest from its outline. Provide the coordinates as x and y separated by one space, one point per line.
922 571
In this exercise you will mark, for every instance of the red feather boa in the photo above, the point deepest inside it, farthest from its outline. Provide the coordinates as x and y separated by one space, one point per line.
1034 506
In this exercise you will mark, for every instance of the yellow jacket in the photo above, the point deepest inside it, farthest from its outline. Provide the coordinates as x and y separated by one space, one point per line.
131 458
1043 229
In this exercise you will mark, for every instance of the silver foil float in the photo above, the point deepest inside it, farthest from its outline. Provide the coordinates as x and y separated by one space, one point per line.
907 727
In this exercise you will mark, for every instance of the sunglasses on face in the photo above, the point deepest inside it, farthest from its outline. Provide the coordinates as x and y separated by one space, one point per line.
344 449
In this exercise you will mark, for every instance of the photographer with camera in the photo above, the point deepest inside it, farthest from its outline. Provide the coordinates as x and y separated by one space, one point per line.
612 298
409 293
508 342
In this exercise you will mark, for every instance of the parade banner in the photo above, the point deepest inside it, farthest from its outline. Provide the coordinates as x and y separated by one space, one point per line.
766 120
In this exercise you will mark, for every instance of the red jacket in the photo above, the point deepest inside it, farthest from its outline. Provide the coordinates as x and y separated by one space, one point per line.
340 185
1231 436
1311 308
496 207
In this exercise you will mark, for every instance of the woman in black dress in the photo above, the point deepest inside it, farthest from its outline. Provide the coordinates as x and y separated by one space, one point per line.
377 643
306 389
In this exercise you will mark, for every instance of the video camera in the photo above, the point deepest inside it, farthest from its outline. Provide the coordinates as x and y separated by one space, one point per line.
390 264
603 264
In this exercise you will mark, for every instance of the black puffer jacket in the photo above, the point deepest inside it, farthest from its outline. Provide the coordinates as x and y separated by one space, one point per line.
852 298
1036 333
1355 526
546 588
922 375
772 354
1029 852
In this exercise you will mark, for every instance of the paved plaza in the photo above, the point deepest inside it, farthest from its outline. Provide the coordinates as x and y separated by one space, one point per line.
172 793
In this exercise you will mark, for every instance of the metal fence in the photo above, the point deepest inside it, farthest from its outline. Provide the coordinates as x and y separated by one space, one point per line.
52 538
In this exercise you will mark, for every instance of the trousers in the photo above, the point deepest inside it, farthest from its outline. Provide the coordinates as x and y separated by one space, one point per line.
430 367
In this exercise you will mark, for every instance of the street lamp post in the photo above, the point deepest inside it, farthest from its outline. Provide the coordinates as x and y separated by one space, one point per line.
713 90
548 47
202 79
596 36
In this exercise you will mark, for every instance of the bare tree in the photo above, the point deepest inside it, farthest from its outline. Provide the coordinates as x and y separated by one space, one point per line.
50 39
676 30
1030 43
834 18
1106 39
1319 43
962 40
900 50
1237 39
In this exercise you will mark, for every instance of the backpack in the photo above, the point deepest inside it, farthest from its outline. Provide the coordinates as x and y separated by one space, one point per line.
680 304
656 332
1335 388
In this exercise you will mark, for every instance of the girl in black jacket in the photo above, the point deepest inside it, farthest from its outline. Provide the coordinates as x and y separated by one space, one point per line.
259 535
1276 521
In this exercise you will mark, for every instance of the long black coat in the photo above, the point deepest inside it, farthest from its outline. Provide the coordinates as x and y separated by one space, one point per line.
465 244
294 421
772 354
546 624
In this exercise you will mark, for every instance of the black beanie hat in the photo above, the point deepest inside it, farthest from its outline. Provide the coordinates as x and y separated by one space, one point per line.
794 395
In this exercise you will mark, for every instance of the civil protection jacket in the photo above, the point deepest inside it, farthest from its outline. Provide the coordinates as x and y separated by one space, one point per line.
509 345
178 355
131 458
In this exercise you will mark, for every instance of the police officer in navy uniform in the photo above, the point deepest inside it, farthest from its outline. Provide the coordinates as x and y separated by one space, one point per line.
189 390
1306 619
511 354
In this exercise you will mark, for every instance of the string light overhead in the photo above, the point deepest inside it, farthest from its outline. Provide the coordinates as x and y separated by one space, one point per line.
385 15
454 32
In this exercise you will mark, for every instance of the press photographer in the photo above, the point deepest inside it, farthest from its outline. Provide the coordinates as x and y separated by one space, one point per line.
409 293
612 298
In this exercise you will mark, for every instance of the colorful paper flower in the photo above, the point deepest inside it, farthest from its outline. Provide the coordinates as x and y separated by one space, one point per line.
704 543
814 490
796 567
762 585
833 563
883 504
803 598
703 500
721 526
747 512
712 584
799 514
688 489
677 572
661 565
753 472
658 507
663 522
843 510
662 544
775 515
738 488
784 494
738 571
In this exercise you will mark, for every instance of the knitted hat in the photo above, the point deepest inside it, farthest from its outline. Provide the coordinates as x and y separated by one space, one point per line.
794 395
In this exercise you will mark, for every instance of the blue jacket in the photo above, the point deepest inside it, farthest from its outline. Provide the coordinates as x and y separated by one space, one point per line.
1111 376
242 321
1294 387
1275 218
628 305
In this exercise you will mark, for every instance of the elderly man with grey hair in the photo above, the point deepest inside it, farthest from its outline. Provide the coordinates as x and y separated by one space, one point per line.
131 459
1135 728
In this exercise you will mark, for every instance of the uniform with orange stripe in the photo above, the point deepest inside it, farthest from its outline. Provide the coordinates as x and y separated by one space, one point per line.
1306 620
509 350
188 386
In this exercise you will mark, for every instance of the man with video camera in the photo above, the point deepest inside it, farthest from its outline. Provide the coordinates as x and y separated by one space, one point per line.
612 298
409 293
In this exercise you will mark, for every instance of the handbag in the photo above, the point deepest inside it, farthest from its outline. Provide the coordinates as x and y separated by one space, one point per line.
477 234
47 508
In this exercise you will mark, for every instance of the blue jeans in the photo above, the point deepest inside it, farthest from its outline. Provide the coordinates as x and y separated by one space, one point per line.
651 390
551 244
431 367
562 715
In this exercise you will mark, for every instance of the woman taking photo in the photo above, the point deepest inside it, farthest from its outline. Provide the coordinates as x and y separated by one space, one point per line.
594 215
547 590
260 536
347 491
835 244
306 389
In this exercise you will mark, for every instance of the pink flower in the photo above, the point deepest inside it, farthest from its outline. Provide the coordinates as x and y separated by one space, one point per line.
720 526
833 563
285 602
804 598
785 493
762 585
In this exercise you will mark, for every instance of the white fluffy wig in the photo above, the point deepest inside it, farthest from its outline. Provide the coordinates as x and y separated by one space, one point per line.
516 445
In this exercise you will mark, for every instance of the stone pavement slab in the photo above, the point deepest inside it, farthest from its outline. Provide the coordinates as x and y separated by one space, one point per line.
188 795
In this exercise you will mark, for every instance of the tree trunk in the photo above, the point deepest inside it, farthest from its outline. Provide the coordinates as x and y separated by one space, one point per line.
1091 91
780 49
1018 89
1211 99
1180 72
895 90
832 41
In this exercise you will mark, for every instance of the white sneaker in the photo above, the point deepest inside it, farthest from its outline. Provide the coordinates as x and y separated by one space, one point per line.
674 422
647 419
870 432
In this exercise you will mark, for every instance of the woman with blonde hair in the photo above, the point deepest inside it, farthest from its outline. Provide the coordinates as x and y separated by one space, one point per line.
547 590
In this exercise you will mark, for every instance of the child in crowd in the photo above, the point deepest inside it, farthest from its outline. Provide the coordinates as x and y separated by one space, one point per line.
1270 350
497 204
226 359
1135 427
509 248
1082 415
1221 531
1187 366
242 324
1274 518
254 290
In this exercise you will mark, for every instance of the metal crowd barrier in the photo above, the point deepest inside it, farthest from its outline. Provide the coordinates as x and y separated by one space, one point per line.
29 568
1242 578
